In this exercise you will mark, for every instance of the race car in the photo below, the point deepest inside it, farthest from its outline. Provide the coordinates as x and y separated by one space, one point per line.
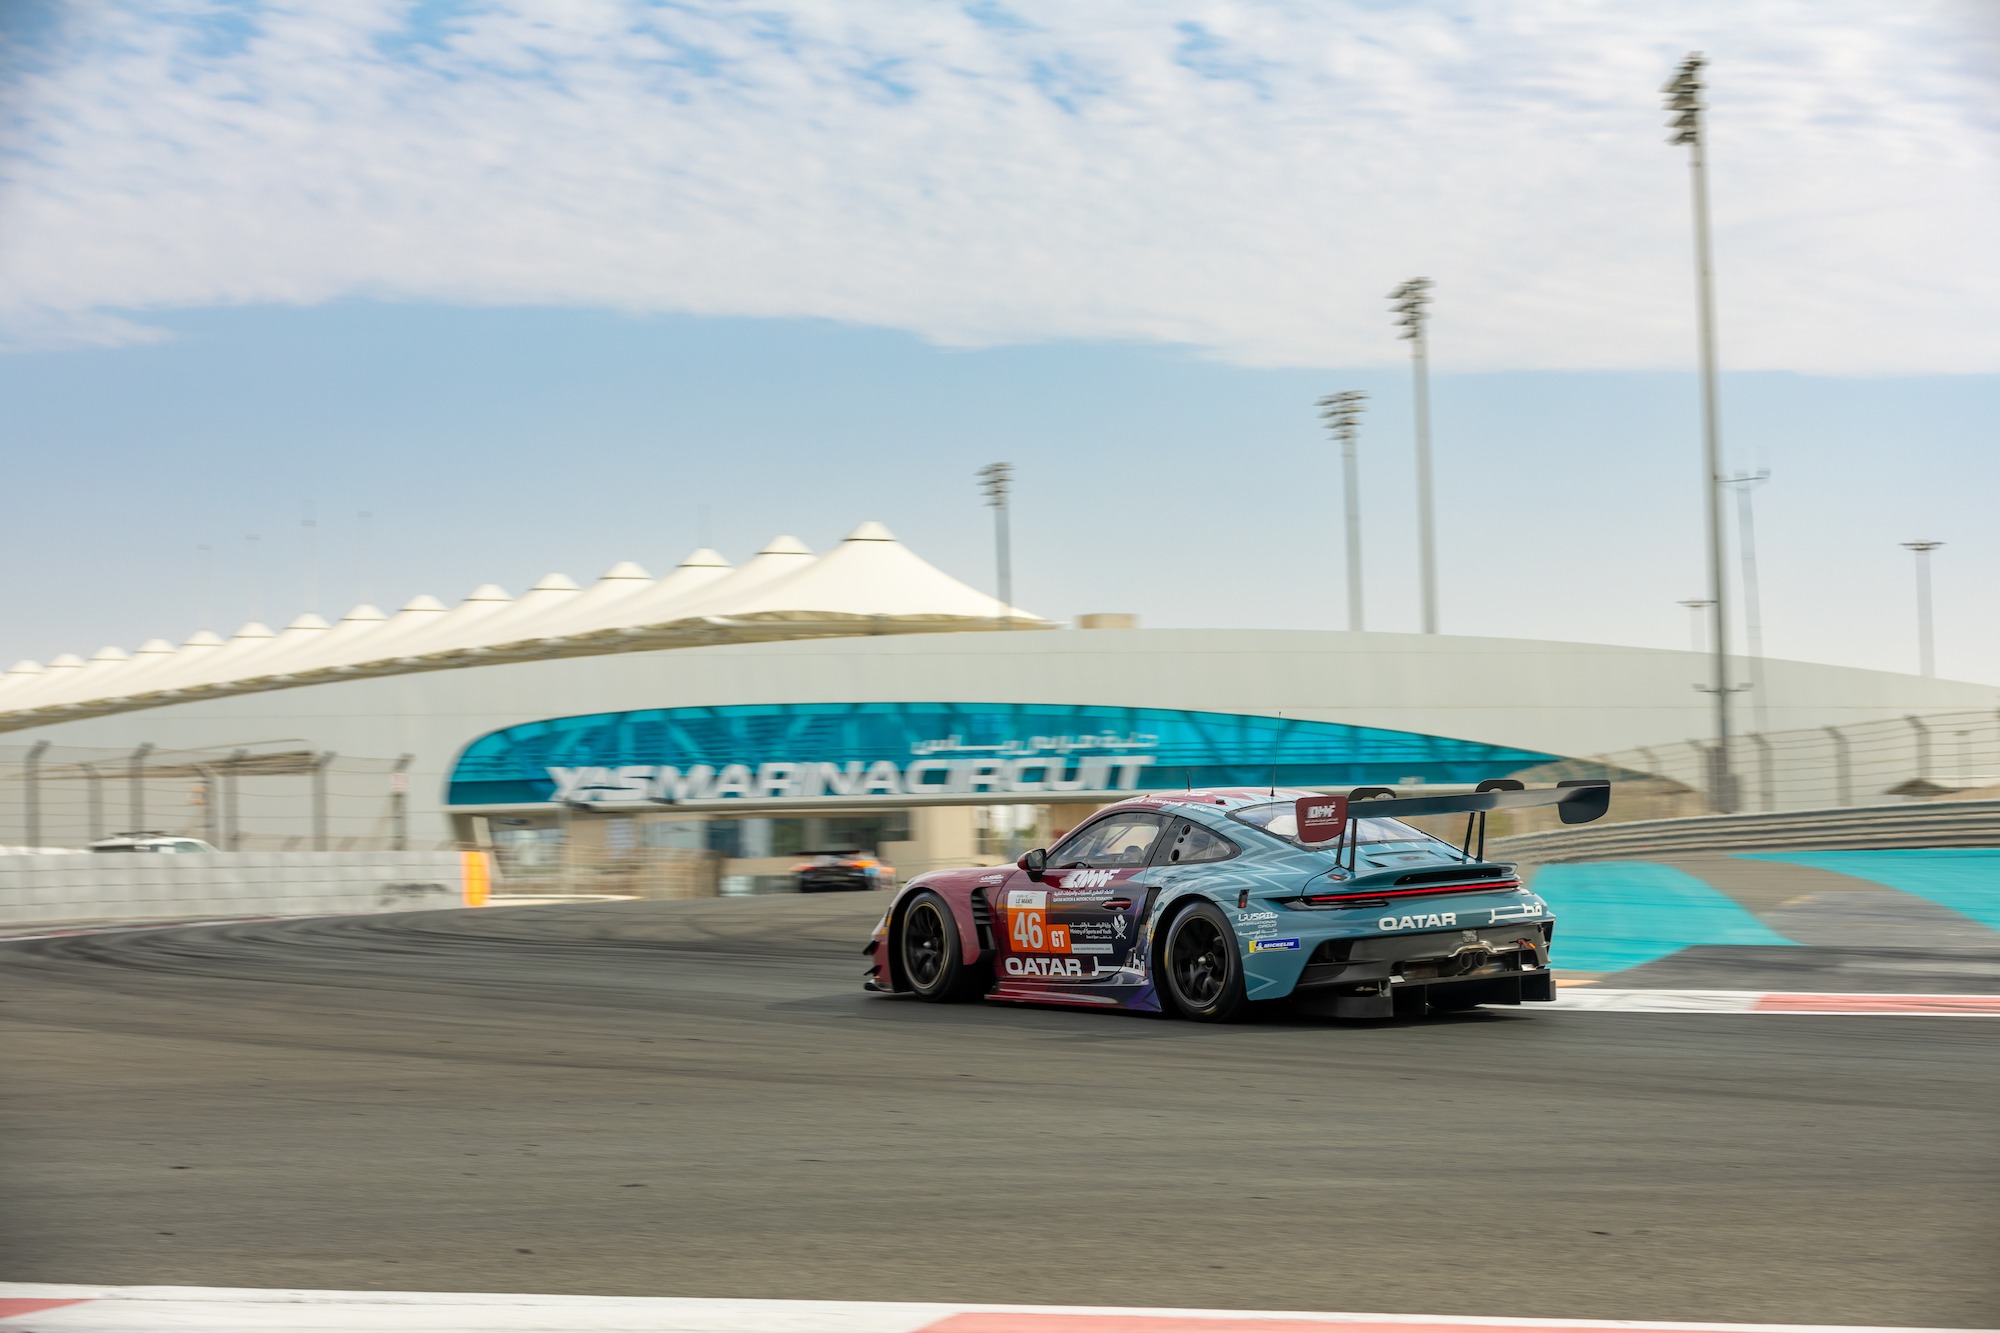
841 870
1202 903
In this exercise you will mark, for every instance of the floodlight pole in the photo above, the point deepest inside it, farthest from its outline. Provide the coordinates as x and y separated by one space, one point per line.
1410 301
1342 414
1684 99
997 480
1695 606
1753 600
1926 646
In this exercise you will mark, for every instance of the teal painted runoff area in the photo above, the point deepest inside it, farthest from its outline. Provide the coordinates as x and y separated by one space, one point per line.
1617 914
1965 879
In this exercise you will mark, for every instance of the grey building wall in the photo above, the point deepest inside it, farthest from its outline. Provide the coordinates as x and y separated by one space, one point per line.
1561 698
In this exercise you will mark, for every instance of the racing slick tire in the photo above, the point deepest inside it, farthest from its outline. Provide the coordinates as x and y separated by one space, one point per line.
929 954
1201 967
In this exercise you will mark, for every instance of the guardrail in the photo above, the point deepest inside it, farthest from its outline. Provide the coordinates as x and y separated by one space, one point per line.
1912 824
88 887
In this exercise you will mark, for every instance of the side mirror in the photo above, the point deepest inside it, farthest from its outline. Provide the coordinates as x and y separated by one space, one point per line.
1034 863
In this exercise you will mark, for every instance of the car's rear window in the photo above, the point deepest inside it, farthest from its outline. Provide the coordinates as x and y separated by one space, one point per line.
1280 820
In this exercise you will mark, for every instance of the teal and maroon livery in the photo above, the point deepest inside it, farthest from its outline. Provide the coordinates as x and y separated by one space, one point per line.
1204 902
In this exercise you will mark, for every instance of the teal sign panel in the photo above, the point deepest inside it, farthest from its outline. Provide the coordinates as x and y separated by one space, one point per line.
890 750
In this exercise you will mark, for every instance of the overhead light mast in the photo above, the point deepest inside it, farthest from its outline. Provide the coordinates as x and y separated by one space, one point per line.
1342 414
1684 99
1926 645
1411 301
997 480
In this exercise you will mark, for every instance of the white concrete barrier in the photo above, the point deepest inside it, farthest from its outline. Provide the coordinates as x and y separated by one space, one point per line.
91 887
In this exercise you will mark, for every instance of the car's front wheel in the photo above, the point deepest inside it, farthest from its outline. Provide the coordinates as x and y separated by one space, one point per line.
1201 965
932 960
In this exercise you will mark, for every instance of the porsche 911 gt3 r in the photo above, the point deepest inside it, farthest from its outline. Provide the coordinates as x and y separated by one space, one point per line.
1203 902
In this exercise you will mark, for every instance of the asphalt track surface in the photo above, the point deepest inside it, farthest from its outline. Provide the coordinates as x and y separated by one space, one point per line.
697 1099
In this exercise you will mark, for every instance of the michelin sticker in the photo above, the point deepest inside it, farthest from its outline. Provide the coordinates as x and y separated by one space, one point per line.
1272 946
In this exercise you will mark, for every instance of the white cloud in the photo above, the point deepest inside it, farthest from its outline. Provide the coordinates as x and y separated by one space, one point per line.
1247 178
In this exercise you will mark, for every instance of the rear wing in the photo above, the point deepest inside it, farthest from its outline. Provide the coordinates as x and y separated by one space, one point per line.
1329 819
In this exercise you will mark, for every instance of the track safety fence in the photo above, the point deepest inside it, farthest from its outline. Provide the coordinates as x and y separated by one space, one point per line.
274 796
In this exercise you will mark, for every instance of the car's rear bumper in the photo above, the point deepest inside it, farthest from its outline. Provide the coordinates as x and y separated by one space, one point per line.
1379 976
1410 999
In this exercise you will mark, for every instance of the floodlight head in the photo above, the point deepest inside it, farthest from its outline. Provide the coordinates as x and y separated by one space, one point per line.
1683 94
1408 301
995 479
1342 411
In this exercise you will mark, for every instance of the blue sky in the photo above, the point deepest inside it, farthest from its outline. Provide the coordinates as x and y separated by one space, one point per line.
540 284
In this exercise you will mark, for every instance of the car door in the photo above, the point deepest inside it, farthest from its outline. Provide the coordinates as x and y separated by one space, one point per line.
1079 926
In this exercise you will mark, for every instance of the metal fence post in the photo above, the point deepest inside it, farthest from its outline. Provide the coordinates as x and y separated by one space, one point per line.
399 803
211 797
138 775
1843 775
1923 746
94 784
1767 788
233 829
319 799
31 793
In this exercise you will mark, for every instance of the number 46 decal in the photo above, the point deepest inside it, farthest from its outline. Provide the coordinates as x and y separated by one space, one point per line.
1028 925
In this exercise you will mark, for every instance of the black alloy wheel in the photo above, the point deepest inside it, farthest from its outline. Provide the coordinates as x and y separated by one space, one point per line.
1202 966
933 964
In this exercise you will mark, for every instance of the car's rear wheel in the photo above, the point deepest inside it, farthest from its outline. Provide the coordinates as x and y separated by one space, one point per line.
933 962
1201 965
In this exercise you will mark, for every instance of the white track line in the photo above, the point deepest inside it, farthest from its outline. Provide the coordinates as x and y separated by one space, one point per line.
1776 1002
70 1309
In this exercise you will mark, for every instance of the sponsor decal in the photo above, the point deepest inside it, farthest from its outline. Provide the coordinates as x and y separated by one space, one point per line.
1272 946
1080 897
1518 912
1088 879
1424 921
1321 818
991 879
1099 929
1075 947
1017 966
1027 898
882 777
1256 916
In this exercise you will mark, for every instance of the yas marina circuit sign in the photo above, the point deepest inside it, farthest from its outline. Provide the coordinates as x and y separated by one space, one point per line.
884 753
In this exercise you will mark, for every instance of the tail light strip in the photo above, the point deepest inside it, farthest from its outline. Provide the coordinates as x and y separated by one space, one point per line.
1364 895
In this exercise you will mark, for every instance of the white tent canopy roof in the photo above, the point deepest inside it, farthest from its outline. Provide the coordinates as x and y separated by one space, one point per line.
291 653
551 592
486 602
868 575
782 591
781 558
379 643
620 583
701 570
111 669
49 683
221 664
